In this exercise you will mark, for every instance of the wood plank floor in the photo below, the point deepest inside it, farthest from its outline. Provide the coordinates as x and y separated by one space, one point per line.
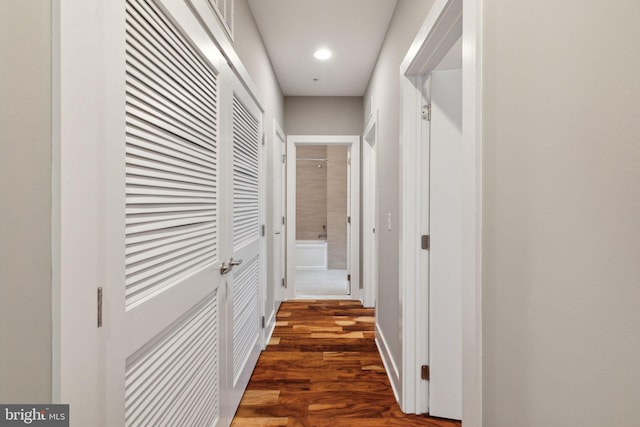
322 369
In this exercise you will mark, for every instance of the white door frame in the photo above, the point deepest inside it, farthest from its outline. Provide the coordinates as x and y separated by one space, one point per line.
369 212
352 141
279 170
442 27
78 235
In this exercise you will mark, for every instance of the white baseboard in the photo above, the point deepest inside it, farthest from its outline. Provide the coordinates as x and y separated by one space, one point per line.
270 326
389 363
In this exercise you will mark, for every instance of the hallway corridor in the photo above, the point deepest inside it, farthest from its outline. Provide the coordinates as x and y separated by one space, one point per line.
322 369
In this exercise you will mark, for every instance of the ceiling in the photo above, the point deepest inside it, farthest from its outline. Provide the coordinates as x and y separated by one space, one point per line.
292 30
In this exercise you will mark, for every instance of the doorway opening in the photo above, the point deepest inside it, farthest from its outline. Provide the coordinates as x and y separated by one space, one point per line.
322 209
321 220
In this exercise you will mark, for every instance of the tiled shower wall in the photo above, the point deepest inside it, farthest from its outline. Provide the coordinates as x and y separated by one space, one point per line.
311 193
321 199
337 206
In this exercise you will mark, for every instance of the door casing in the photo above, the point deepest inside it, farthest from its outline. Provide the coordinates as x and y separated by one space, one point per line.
278 221
352 141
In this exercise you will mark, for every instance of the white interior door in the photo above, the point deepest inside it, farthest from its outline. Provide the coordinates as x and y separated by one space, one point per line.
369 217
279 209
445 255
244 281
165 323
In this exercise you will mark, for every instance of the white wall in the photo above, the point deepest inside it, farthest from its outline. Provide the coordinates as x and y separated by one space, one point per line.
323 115
384 88
561 232
250 48
25 216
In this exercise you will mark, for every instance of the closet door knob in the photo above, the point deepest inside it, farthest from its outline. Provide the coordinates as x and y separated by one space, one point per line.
227 266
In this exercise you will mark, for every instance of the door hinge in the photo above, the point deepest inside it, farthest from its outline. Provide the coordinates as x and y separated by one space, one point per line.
348 277
348 220
264 230
264 138
284 158
283 221
100 307
263 324
426 112
284 283
424 372
426 242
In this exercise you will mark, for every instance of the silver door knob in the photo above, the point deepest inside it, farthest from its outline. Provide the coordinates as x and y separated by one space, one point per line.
227 266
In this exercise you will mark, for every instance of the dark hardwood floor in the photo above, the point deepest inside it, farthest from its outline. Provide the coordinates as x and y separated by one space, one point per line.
322 369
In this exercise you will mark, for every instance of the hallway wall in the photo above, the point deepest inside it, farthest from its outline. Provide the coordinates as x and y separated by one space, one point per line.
561 230
323 115
384 88
250 48
25 185
311 193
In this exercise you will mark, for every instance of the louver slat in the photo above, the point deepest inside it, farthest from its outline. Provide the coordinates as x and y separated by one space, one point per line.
171 155
164 34
174 378
171 149
224 8
246 314
246 145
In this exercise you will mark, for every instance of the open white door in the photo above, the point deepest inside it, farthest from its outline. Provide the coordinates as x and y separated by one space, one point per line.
369 214
431 52
279 209
445 255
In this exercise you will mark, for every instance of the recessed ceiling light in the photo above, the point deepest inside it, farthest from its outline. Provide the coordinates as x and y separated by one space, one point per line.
322 54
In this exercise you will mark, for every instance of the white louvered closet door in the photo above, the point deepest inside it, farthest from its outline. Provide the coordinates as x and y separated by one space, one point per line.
245 238
168 323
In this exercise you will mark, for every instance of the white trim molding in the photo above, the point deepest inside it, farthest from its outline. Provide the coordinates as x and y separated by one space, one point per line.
218 34
472 259
78 141
393 373
278 212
